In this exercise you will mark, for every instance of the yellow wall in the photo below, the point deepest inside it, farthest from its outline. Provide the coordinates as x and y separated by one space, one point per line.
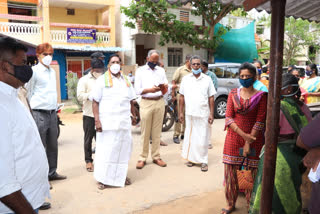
27 1
102 2
82 16
3 9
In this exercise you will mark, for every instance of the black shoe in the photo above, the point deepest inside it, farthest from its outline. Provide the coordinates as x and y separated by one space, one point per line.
57 177
176 140
45 206
182 137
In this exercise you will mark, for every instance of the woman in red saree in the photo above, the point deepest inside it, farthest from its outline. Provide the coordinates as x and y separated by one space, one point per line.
245 122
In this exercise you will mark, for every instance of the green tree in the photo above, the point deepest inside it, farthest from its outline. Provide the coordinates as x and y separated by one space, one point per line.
299 34
156 18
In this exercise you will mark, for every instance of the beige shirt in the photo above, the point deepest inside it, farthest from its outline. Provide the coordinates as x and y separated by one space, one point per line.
85 86
179 74
22 95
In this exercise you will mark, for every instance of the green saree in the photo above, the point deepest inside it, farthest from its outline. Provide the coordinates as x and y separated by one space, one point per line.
286 194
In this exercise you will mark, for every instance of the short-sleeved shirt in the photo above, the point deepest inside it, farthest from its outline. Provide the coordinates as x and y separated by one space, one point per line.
114 103
196 92
180 73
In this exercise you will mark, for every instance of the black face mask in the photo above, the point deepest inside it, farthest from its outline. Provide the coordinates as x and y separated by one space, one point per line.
152 65
22 72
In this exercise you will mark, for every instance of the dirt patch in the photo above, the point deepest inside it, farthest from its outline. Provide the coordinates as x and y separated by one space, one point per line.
201 204
70 117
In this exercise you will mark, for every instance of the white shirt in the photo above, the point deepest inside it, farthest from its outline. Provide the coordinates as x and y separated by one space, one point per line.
84 88
114 103
42 91
148 78
23 161
196 93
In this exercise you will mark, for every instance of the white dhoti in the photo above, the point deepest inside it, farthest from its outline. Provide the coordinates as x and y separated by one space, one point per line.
113 151
196 139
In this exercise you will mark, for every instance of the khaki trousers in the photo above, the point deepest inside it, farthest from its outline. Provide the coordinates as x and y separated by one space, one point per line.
179 127
151 113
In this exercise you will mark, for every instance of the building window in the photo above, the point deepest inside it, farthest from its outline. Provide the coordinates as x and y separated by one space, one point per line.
70 12
174 57
184 16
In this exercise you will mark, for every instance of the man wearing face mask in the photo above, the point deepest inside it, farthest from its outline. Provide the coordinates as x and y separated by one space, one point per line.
112 98
42 95
84 88
23 162
151 83
197 96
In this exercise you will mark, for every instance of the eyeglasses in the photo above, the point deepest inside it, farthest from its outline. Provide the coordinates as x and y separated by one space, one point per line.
195 64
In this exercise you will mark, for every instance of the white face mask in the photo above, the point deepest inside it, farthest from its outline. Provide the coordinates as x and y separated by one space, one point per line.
115 68
47 60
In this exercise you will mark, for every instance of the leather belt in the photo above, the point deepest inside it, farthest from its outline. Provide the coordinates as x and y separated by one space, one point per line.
152 98
44 111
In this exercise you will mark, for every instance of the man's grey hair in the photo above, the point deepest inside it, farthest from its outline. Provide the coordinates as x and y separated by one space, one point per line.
188 57
195 57
152 52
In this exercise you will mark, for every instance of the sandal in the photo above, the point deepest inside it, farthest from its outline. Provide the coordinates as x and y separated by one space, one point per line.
89 167
189 164
128 181
101 186
225 211
204 167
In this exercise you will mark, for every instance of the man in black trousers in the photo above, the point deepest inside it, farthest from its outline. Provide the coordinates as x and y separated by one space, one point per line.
85 86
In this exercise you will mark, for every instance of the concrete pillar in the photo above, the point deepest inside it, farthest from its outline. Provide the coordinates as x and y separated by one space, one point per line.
112 24
45 22
4 9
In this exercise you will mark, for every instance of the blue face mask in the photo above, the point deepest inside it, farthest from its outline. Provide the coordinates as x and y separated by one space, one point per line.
259 71
308 73
196 72
246 82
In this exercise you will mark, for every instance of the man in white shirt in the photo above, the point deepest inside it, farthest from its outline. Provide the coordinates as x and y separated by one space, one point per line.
23 163
84 88
42 95
112 102
151 83
197 95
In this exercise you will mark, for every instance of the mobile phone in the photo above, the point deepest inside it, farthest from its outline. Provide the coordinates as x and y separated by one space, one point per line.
252 152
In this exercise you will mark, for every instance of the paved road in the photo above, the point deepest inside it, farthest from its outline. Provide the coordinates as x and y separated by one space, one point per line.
152 185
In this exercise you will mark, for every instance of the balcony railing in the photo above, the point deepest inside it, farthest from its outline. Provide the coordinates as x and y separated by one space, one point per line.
60 36
10 28
30 33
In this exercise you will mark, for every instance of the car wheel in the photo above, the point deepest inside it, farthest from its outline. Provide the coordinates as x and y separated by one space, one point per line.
220 107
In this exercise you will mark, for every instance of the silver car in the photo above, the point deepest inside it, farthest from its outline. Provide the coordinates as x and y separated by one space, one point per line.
228 78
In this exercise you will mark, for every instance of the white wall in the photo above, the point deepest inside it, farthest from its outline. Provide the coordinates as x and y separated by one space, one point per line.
124 38
185 51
